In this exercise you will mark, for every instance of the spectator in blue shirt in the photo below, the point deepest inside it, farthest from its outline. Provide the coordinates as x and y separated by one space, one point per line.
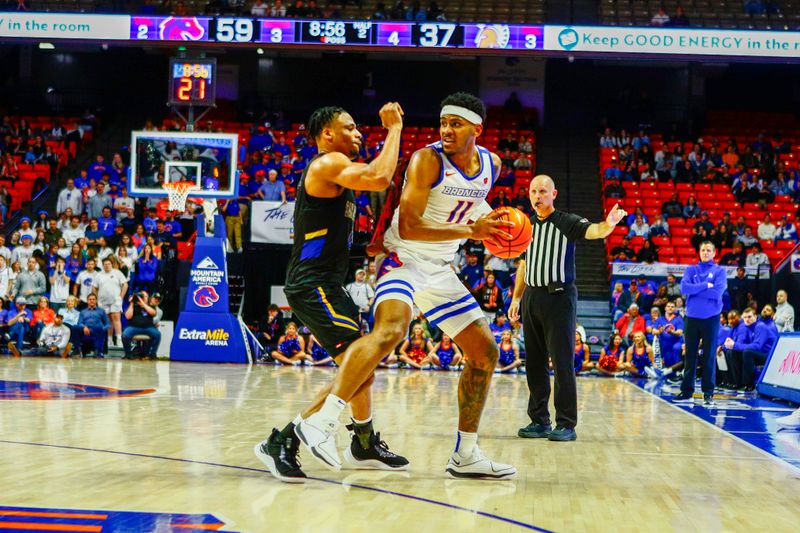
106 223
94 325
300 139
472 272
745 355
150 221
273 190
19 321
260 140
146 270
282 147
82 181
98 168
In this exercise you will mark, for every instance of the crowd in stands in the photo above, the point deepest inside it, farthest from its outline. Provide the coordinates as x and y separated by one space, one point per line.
32 151
739 195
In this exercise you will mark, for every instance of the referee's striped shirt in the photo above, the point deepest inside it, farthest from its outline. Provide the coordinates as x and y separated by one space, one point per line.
551 255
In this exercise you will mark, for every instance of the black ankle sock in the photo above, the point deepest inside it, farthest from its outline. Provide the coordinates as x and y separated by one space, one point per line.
363 432
288 431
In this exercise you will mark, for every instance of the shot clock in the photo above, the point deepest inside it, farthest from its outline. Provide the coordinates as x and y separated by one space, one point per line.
191 81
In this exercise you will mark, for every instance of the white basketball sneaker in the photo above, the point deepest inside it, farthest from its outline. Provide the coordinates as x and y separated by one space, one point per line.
318 435
791 421
477 466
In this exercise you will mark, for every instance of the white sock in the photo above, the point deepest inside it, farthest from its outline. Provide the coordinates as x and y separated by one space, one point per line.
465 443
667 372
297 420
332 407
362 422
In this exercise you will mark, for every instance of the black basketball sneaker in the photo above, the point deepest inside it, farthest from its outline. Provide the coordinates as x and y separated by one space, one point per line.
377 456
280 457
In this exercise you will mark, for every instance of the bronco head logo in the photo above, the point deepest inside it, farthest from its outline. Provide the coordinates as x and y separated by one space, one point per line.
205 296
389 263
492 36
181 29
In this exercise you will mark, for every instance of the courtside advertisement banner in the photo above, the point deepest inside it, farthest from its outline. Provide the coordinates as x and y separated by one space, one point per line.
676 41
663 269
781 375
272 222
64 26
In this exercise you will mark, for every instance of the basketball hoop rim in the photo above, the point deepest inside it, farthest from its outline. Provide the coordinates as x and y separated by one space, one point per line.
178 192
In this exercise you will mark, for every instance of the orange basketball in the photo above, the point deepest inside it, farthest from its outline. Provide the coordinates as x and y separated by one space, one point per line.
521 235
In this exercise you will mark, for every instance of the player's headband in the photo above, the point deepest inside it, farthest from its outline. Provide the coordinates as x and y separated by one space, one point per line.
462 112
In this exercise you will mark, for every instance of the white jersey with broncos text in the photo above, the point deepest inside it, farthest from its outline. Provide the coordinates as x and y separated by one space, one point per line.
455 198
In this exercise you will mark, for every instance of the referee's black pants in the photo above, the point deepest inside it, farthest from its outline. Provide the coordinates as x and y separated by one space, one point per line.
548 322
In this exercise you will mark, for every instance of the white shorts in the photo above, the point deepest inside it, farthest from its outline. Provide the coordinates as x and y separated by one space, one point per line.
435 289
114 307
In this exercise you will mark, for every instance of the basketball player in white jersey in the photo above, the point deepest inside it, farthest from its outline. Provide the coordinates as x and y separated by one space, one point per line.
445 189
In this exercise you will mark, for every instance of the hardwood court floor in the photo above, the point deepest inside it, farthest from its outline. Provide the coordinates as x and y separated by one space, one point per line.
639 464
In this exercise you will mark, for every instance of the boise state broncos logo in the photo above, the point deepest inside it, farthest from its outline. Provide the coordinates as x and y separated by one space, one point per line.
205 296
51 390
181 29
389 263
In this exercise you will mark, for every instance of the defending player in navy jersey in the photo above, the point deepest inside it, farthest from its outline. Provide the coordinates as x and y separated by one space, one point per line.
323 231
445 188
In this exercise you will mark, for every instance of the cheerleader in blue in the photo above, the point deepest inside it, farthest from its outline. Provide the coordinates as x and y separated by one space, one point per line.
291 347
509 355
639 357
317 355
446 355
612 355
582 354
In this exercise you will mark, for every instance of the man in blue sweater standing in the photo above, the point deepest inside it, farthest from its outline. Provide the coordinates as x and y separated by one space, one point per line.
703 285
744 355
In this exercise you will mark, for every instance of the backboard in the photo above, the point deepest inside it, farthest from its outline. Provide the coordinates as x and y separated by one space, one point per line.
208 159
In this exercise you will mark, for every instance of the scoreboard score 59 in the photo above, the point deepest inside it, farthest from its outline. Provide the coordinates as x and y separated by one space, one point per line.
191 81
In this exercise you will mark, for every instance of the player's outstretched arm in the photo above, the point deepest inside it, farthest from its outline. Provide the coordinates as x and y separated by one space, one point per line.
422 173
375 176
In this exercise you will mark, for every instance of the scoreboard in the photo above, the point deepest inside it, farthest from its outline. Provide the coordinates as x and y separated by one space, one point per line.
446 35
192 81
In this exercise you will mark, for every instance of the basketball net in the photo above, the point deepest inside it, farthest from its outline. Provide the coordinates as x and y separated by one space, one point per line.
178 192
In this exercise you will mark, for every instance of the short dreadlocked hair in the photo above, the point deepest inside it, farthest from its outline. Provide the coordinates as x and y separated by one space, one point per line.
321 118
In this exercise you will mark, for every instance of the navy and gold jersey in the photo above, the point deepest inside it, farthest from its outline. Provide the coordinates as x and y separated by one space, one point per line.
323 233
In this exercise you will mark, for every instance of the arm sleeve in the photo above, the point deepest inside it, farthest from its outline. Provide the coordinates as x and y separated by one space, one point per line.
574 226
756 343
687 287
41 284
63 340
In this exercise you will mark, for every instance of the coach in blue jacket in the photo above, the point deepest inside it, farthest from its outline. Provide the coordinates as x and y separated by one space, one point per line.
703 285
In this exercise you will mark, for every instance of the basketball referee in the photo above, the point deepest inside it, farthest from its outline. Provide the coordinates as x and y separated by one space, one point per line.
546 297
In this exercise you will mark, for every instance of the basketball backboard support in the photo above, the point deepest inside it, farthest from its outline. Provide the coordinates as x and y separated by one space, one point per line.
207 159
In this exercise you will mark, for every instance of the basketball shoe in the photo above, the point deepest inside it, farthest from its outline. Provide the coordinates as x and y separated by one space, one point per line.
280 457
377 456
478 466
318 434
